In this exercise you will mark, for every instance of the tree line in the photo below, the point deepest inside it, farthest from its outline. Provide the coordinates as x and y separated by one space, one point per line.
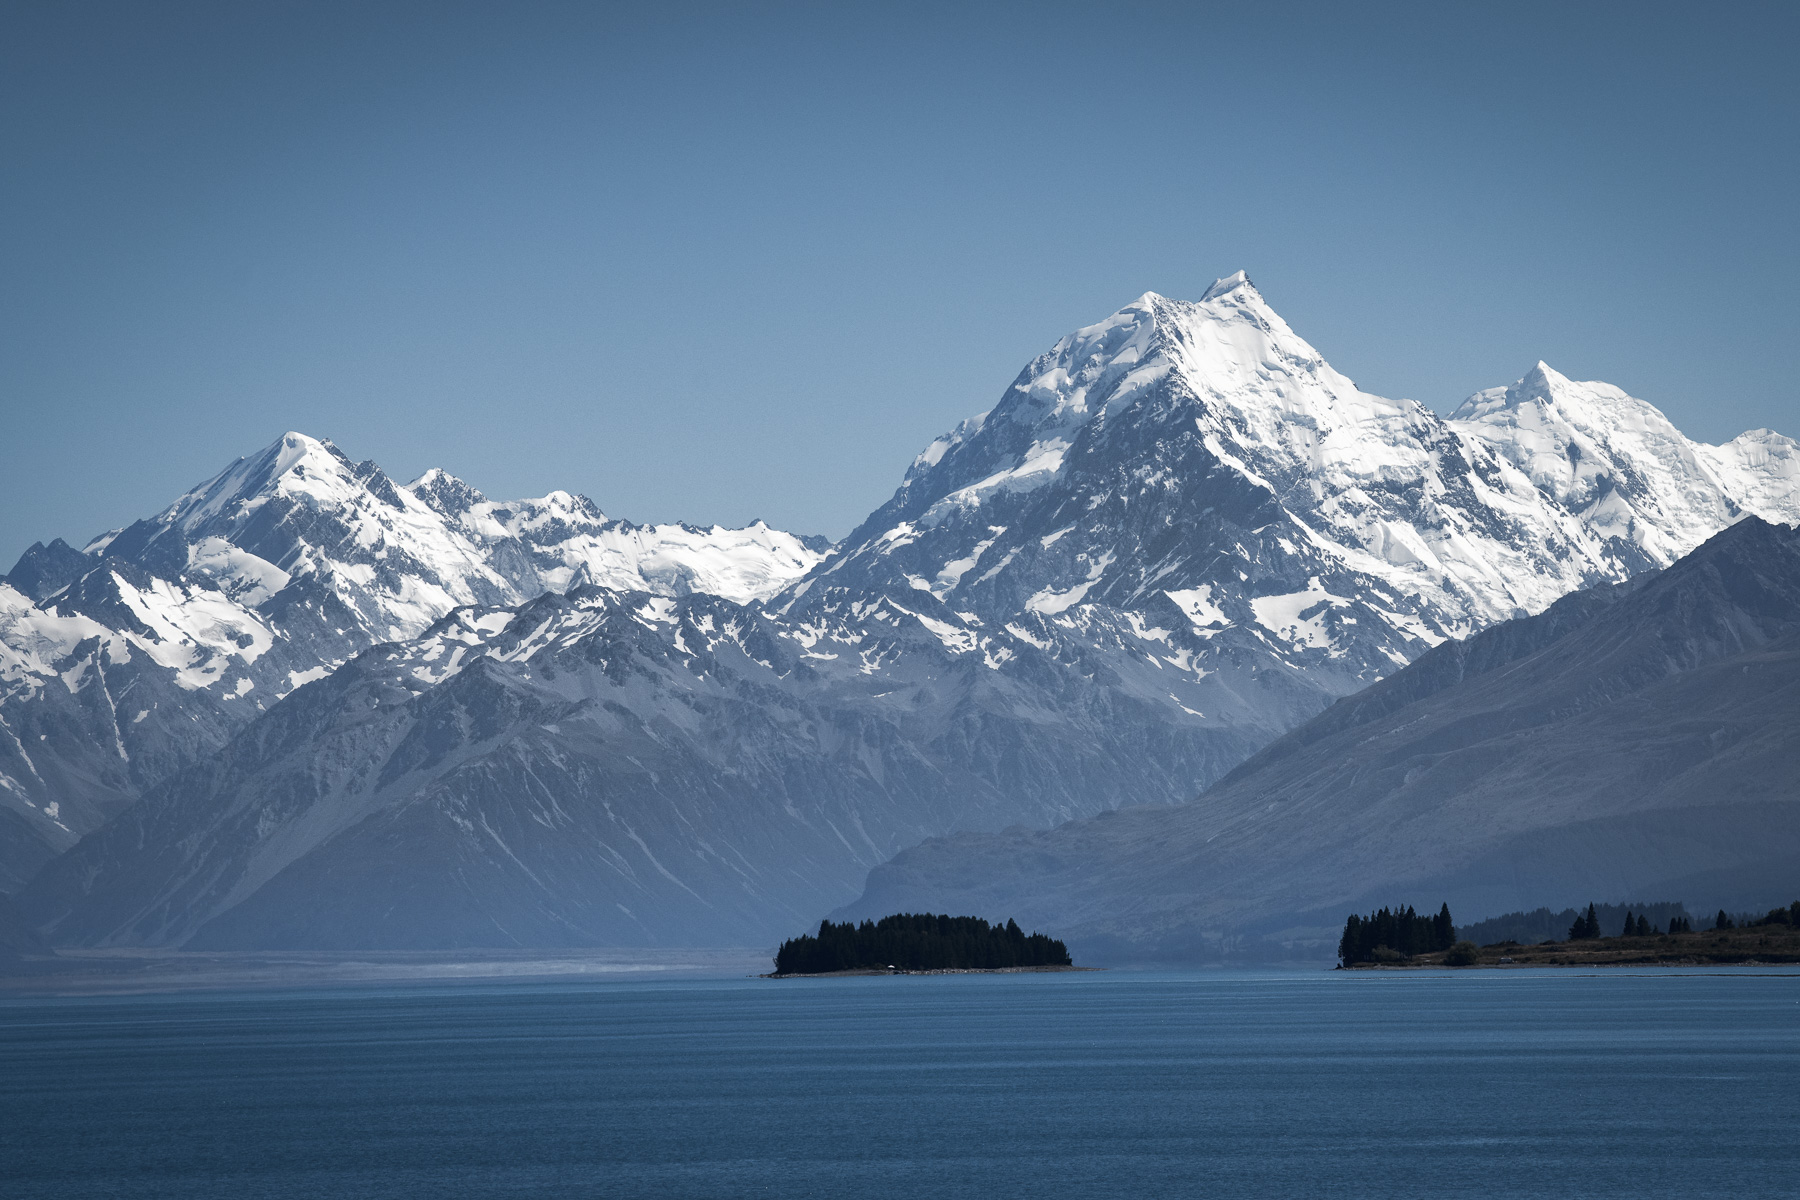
1613 920
1547 925
1400 932
1587 925
1776 916
918 942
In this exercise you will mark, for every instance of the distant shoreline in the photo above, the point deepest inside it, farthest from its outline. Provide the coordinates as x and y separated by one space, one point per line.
84 972
933 971
1747 946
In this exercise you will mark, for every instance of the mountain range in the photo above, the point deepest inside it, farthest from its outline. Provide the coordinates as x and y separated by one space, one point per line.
146 649
308 707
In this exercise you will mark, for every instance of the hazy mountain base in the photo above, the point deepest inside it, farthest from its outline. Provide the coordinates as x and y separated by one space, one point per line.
610 771
1641 739
105 972
17 938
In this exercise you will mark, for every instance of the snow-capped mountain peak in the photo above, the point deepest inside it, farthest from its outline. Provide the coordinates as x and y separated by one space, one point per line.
1623 468
1206 447
1229 283
293 466
444 492
1099 371
246 483
1761 470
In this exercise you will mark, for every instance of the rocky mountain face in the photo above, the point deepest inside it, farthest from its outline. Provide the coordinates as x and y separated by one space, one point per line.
1634 740
144 651
1179 535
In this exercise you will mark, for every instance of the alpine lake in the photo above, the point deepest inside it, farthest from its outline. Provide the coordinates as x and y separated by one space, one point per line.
1222 1082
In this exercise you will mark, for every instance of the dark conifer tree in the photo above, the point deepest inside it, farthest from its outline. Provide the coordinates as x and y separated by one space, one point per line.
1723 920
1587 925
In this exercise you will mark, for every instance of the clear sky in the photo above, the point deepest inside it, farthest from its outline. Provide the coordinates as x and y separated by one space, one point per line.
721 263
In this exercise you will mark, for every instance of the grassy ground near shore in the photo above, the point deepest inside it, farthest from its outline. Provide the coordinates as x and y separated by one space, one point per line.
1750 944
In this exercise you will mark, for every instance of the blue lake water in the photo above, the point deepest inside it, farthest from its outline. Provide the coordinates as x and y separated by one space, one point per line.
1139 1084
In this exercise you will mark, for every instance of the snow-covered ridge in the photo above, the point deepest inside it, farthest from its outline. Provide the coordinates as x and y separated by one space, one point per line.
452 545
1621 466
298 546
571 541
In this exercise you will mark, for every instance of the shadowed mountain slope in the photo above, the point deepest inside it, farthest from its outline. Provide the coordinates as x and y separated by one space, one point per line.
1639 739
600 768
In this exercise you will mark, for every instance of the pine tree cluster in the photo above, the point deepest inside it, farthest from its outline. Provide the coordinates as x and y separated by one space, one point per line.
1401 932
1546 925
918 942
1586 926
1780 916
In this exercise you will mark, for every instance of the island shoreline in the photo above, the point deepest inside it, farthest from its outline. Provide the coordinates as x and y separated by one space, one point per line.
932 971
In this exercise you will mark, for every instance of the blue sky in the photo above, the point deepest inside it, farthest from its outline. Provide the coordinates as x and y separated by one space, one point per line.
718 263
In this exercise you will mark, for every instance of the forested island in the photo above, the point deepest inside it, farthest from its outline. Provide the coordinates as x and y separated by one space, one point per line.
919 942
1401 938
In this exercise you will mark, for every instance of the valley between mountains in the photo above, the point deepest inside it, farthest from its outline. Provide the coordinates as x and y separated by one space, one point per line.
1180 568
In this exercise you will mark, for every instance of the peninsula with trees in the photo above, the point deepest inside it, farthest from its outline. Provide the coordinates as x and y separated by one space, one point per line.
1402 938
915 943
